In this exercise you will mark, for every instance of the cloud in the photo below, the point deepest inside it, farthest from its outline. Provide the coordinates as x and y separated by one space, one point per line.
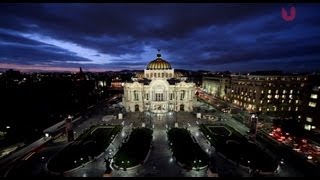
190 36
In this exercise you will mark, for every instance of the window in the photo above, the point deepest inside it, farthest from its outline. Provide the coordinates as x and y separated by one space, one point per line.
276 96
290 101
162 74
308 119
313 127
314 96
159 97
269 91
136 95
261 91
182 94
297 109
171 96
312 104
289 109
261 101
307 127
269 96
290 96
147 96
284 91
283 96
297 101
291 91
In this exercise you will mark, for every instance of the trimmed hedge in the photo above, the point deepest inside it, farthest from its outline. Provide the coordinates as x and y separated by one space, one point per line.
88 145
239 149
135 150
185 149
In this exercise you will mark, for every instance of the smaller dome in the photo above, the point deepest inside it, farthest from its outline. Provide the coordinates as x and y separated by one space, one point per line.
158 64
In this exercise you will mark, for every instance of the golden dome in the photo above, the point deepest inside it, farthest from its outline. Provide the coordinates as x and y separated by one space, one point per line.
158 64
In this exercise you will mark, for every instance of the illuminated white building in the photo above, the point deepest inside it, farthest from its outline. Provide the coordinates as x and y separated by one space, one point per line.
159 90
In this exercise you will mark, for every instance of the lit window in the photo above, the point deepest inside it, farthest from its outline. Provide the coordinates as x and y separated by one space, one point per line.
261 101
289 109
291 91
282 101
309 119
290 96
268 101
277 91
290 101
275 108
261 91
283 96
284 91
299 116
269 91
269 96
314 96
267 109
297 101
276 96
313 127
307 127
232 90
312 104
302 84
297 108
260 109
241 93
253 100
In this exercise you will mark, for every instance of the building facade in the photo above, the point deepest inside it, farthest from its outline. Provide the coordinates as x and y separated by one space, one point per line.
310 115
273 94
216 86
158 90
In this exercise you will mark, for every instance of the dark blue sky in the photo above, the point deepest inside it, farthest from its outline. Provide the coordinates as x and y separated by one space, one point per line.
216 37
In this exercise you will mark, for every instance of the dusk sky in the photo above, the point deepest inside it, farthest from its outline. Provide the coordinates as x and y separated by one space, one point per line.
216 37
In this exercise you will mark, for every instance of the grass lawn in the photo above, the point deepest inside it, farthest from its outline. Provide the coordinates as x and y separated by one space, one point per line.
135 150
185 149
87 146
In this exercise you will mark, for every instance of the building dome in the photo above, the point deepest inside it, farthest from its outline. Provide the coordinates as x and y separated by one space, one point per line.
158 64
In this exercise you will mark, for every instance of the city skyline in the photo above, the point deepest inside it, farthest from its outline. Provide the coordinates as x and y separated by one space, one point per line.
104 37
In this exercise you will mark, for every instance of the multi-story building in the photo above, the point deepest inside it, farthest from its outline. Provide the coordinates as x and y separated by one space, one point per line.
310 114
216 85
158 90
272 94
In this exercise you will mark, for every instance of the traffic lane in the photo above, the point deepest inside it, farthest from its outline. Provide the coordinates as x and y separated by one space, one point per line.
33 163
